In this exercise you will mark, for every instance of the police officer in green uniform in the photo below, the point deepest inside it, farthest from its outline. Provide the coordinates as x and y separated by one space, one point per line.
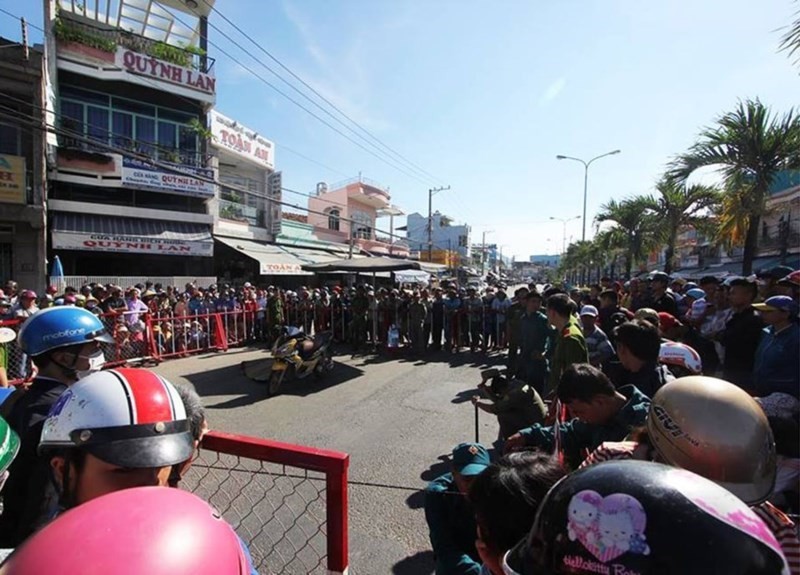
513 326
535 333
570 345
359 308
450 517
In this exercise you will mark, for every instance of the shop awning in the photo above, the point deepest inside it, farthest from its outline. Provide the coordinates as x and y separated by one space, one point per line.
94 233
272 260
312 256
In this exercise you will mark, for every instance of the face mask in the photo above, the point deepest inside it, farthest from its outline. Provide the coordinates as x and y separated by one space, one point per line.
96 362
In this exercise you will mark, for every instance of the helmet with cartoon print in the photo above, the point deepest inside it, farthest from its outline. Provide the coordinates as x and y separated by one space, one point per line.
644 518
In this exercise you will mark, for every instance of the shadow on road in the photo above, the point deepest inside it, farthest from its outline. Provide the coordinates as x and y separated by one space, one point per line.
466 395
420 563
231 380
436 469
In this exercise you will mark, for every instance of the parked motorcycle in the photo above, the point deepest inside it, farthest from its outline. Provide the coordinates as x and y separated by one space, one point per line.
296 355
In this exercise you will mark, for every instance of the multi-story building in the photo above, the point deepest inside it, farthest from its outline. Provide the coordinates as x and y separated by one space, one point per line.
130 176
348 213
779 239
545 260
246 209
449 244
22 166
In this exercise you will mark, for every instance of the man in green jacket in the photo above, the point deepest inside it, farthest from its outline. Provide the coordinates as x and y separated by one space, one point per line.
451 520
602 413
536 336
570 345
513 334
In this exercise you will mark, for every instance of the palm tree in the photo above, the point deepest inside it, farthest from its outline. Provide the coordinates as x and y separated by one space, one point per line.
610 242
634 220
577 260
790 41
680 206
750 146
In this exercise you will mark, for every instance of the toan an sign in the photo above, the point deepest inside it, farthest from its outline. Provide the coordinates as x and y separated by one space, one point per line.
227 134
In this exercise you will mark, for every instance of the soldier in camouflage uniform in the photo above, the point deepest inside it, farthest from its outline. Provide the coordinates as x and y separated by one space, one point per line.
274 314
513 326
359 308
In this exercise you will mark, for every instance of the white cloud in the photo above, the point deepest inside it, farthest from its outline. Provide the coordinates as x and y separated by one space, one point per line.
553 90
340 76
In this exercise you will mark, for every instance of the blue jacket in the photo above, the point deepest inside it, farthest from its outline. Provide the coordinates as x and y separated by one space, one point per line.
578 437
452 528
777 362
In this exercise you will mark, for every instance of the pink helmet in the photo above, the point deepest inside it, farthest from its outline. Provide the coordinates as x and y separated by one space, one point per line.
153 530
680 356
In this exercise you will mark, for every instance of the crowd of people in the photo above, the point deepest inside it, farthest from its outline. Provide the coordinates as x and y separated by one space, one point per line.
645 427
86 460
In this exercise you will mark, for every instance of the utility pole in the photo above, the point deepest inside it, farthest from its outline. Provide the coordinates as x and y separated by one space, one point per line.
431 193
483 255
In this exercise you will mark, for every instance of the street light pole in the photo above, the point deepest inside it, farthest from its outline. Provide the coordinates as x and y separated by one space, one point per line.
483 255
431 193
586 180
564 231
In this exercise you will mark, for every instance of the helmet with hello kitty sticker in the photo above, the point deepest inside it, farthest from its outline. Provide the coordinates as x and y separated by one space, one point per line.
644 518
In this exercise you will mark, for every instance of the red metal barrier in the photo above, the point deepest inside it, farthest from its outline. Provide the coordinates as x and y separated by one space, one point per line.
287 502
19 368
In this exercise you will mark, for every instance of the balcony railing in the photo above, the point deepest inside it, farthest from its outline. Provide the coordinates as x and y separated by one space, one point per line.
105 145
70 29
241 213
360 180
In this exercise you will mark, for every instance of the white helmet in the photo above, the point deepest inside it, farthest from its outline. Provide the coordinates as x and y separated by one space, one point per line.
127 417
681 356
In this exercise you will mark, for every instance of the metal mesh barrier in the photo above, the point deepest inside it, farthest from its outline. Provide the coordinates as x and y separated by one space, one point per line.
288 503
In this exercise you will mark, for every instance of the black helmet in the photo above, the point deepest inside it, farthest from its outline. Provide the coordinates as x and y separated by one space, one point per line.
644 518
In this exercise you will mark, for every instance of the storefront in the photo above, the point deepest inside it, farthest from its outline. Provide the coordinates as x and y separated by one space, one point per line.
240 260
140 247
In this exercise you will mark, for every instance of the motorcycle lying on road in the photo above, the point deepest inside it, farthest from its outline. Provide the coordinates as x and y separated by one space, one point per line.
297 355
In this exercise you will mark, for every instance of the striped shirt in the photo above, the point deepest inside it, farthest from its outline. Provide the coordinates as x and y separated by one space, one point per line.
783 528
785 532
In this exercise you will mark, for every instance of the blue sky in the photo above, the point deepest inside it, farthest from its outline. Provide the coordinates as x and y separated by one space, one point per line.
484 94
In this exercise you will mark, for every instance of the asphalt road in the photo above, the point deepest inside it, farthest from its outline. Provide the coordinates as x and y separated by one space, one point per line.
398 418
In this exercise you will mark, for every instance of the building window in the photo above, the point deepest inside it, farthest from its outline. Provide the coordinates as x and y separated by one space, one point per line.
361 225
333 219
158 132
462 241
9 140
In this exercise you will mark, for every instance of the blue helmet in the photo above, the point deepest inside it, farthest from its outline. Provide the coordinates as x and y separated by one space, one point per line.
56 327
695 293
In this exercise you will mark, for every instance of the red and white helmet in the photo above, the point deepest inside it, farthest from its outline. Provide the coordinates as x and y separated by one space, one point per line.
680 355
127 417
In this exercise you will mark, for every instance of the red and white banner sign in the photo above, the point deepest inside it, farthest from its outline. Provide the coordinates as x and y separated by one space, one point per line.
276 269
131 244
230 135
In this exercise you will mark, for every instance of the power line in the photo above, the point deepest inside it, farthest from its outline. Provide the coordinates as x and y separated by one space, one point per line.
194 103
113 135
387 159
323 98
393 155
35 123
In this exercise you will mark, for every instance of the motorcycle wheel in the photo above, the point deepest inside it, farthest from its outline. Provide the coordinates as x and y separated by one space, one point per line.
275 380
324 366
